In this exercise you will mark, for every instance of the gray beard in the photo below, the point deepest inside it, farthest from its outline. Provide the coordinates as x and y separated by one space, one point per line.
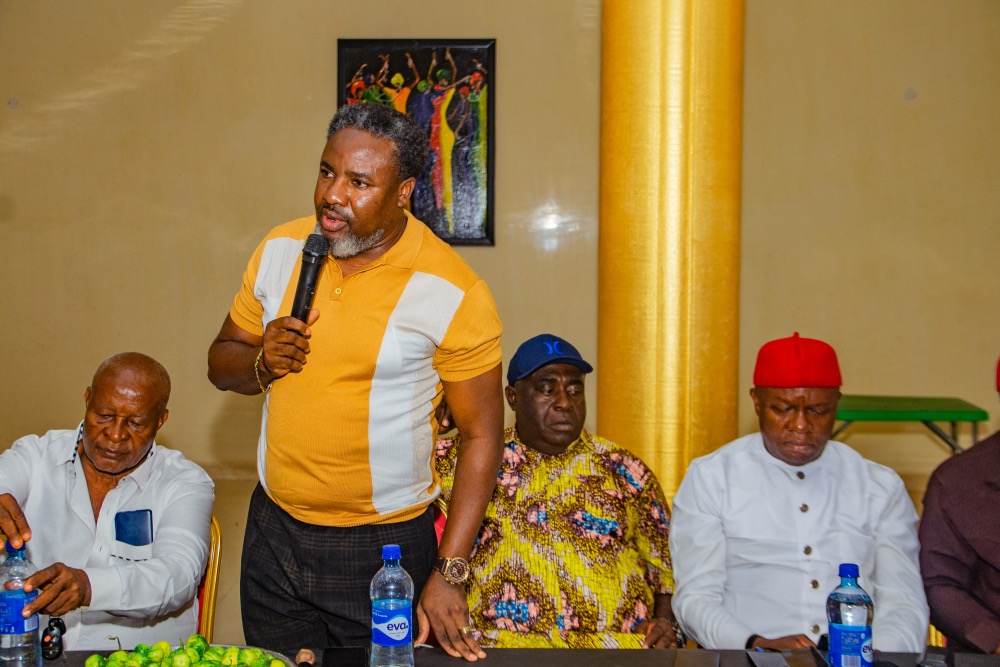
353 245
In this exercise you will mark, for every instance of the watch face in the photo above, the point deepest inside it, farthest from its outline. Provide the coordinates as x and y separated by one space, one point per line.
456 570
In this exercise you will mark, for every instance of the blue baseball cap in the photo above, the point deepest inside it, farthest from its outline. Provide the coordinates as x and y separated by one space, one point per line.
542 350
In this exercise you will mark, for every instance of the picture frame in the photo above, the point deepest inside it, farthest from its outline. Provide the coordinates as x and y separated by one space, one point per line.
447 87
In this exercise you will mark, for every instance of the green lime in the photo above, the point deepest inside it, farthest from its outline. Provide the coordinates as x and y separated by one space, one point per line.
248 656
197 642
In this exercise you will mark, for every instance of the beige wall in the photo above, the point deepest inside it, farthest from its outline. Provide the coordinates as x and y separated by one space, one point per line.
871 201
146 148
142 157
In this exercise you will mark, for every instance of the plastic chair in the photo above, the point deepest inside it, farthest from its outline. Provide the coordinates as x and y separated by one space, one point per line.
440 517
935 638
209 587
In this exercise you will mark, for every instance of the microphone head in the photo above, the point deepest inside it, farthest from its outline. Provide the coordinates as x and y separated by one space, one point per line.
316 245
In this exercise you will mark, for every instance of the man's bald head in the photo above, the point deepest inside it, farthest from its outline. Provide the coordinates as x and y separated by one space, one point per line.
140 368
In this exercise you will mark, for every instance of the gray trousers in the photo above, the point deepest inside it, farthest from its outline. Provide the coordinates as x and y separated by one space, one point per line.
306 586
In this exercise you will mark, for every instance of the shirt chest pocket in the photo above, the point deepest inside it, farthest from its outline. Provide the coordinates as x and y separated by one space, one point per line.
131 553
851 543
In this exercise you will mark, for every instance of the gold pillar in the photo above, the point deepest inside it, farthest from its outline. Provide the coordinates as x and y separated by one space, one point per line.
668 270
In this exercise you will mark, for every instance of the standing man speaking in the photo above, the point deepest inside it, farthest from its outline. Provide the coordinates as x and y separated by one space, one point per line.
345 455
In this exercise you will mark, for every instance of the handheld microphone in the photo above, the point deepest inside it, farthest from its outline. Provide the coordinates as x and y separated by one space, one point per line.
314 253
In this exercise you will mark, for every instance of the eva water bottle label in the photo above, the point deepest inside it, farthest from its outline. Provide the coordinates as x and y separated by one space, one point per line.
391 627
850 645
11 605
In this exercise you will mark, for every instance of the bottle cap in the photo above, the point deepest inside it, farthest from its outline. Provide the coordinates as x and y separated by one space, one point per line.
849 570
10 549
390 552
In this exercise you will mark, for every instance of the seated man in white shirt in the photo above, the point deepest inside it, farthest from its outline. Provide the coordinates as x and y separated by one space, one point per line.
117 525
760 526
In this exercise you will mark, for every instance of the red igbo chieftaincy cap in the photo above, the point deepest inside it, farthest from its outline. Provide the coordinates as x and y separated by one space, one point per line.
796 362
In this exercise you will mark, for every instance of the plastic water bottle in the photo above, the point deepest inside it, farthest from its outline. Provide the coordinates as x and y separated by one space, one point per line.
19 645
850 612
392 613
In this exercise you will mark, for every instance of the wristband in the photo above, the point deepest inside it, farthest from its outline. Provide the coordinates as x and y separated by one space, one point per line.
256 372
678 631
750 641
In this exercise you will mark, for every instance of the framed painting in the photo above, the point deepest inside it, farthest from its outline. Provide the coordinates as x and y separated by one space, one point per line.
446 86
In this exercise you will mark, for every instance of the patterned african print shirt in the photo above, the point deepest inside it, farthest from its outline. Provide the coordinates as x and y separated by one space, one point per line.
573 547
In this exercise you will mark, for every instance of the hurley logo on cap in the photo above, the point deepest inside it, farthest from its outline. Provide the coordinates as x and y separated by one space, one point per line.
553 347
542 350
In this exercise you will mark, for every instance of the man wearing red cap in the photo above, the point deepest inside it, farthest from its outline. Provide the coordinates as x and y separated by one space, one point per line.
760 526
960 547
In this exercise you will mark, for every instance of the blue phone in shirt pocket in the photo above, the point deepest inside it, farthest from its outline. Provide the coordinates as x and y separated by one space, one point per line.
134 527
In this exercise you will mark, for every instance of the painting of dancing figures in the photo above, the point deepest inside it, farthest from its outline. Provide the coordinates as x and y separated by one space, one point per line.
446 86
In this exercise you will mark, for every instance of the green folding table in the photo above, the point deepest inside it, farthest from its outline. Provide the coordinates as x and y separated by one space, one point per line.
926 410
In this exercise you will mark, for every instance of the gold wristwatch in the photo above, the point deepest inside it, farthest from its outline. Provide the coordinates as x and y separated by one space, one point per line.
454 570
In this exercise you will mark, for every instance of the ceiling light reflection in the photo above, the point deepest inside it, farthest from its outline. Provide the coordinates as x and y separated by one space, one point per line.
550 225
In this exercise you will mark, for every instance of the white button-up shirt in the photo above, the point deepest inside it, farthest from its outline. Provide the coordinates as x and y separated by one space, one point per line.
138 593
757 543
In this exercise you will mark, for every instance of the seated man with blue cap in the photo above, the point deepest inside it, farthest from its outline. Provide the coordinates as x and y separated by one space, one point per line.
573 551
761 525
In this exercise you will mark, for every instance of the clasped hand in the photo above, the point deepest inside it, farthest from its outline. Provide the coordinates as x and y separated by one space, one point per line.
787 643
659 633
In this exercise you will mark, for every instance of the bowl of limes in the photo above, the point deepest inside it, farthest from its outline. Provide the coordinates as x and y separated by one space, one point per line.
195 652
